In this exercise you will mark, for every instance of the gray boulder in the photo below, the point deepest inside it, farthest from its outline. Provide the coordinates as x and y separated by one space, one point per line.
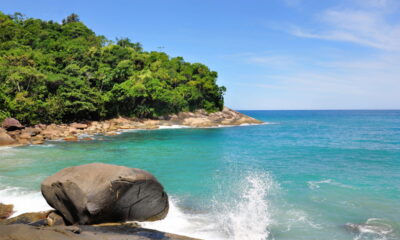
99 193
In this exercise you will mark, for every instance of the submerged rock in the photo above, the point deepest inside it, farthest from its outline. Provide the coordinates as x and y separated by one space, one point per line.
98 193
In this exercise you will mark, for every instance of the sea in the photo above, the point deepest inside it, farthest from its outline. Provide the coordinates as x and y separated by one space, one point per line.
302 175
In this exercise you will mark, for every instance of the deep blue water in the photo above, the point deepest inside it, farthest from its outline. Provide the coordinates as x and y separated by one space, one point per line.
303 175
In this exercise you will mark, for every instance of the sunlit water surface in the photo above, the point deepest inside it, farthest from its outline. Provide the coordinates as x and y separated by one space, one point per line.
304 175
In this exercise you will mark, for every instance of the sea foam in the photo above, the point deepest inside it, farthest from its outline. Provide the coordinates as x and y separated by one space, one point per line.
247 217
23 201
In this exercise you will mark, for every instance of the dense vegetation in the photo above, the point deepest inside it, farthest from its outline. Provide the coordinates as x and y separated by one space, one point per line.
52 72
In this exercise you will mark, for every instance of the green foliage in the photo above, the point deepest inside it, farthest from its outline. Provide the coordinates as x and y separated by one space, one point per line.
51 72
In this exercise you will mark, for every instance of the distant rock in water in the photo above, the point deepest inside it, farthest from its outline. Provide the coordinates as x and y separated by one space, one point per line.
11 124
99 193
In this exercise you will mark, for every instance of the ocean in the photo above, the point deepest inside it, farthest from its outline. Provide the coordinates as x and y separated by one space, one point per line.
303 175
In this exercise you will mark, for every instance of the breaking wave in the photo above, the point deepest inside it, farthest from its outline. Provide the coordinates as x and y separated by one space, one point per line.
246 217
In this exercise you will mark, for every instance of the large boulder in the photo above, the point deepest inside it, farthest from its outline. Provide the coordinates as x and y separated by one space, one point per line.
99 193
11 124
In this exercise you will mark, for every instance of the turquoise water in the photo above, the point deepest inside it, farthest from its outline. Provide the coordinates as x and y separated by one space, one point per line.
303 175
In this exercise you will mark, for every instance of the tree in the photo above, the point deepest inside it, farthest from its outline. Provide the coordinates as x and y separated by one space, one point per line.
51 72
71 18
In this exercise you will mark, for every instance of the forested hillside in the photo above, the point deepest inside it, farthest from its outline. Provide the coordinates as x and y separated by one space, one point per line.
63 72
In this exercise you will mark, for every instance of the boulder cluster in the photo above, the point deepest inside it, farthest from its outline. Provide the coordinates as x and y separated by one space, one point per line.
92 201
12 133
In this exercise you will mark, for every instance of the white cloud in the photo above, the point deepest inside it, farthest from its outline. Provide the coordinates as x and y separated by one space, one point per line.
272 60
312 83
362 27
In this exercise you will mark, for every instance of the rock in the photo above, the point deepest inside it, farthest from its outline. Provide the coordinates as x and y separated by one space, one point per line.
28 218
32 131
98 193
50 133
198 122
125 232
79 125
6 210
87 138
25 135
37 142
71 138
6 139
72 130
54 219
11 124
38 139
41 126
23 141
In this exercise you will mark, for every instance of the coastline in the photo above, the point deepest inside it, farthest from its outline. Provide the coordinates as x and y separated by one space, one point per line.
41 224
40 133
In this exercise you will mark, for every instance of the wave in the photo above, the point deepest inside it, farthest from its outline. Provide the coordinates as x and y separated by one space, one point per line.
23 201
313 185
247 217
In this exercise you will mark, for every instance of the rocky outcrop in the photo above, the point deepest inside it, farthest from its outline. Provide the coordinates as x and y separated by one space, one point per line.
198 119
34 218
120 232
11 124
96 193
6 210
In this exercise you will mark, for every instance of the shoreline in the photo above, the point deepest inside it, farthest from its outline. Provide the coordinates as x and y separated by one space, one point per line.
74 132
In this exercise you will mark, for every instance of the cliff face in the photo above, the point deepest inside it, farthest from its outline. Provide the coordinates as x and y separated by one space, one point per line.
74 132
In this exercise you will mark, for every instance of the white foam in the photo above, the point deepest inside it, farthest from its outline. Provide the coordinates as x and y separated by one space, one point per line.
173 127
246 218
313 185
23 201
249 217
296 217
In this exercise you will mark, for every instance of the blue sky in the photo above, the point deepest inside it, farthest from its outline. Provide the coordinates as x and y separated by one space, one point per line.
271 54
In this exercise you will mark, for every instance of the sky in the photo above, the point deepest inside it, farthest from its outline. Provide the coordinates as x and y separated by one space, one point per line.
270 54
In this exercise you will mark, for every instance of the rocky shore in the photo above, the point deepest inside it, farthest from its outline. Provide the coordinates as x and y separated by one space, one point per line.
12 133
93 201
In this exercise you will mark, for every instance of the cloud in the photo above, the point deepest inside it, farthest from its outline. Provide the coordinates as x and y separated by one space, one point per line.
368 28
279 61
347 82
